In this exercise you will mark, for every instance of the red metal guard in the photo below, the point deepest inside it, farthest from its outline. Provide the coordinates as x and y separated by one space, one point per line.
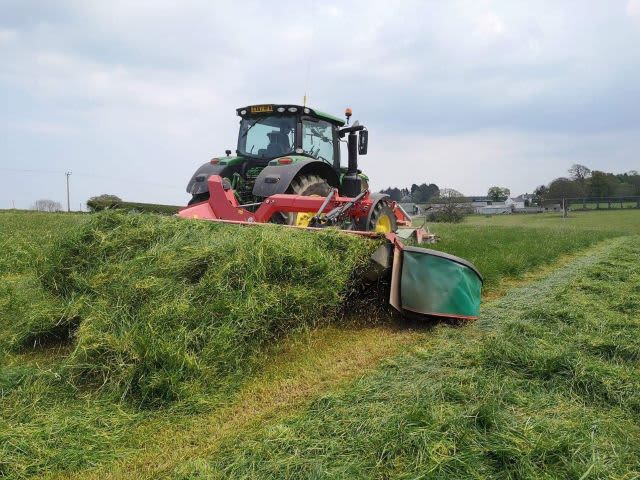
223 205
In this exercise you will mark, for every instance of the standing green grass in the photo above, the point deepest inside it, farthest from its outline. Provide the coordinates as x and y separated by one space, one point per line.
621 221
510 252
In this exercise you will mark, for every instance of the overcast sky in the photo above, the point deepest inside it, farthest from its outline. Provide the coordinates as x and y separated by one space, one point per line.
132 96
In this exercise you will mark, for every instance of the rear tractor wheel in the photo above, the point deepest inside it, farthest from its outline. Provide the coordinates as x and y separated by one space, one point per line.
305 185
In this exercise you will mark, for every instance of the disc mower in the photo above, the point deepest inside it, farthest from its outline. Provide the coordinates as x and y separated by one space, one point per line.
287 170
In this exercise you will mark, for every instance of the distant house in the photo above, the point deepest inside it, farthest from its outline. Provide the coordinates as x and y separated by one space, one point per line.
553 207
528 210
411 208
516 202
496 208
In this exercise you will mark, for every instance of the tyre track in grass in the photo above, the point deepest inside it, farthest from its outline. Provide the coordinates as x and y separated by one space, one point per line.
327 360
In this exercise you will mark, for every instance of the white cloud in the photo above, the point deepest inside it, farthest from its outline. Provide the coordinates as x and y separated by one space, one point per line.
333 11
7 36
490 24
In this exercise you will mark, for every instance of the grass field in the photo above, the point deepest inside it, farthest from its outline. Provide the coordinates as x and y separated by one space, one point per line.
603 205
549 391
621 221
387 400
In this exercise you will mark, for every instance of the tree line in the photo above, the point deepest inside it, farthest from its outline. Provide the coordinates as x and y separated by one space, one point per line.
417 193
583 182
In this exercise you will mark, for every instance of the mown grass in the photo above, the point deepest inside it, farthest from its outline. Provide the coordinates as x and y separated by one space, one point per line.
25 236
26 308
159 308
54 417
547 390
134 311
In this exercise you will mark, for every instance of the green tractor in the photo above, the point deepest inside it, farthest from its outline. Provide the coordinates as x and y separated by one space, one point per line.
294 149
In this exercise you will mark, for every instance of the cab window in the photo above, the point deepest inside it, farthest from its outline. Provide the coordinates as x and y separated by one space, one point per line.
266 137
317 139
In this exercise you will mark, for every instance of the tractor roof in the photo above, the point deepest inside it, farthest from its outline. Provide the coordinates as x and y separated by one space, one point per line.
270 108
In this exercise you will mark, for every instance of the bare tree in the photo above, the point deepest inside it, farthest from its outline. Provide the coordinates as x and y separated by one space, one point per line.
46 205
579 173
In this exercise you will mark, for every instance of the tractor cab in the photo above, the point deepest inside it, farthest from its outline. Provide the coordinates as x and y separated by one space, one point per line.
268 132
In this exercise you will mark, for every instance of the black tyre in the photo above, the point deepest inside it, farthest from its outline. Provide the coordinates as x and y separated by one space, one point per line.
382 219
306 185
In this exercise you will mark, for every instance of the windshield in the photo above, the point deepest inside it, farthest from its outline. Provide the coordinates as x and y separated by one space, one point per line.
317 139
266 137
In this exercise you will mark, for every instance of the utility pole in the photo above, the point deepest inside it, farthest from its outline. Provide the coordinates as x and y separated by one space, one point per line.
68 174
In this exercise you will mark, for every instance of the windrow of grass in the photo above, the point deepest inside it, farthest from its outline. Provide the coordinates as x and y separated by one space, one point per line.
161 309
544 386
26 308
25 236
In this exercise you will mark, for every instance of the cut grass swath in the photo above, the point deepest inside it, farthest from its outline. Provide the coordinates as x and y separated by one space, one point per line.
166 306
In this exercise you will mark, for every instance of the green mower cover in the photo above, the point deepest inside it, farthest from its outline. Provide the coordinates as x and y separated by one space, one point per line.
438 284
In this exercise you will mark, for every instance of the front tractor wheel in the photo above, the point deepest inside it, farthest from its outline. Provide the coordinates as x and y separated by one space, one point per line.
306 185
382 219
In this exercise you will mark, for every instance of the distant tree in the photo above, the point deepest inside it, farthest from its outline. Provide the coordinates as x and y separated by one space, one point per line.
46 205
563 188
579 173
423 193
539 194
102 202
498 194
631 178
394 193
624 190
417 193
451 208
602 184
634 179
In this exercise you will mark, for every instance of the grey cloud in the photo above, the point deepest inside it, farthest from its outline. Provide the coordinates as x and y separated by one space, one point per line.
149 89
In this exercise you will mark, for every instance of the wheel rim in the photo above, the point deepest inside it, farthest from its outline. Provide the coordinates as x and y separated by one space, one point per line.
383 224
303 219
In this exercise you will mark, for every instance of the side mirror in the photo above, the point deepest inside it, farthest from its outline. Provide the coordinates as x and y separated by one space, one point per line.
363 142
